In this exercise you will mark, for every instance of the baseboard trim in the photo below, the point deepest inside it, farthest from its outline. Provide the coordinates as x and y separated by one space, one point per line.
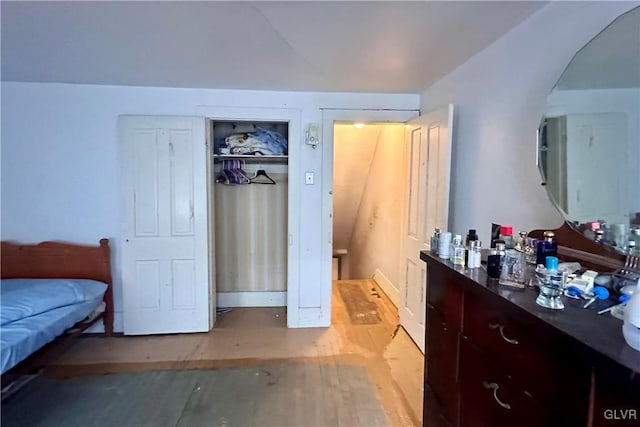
387 286
252 299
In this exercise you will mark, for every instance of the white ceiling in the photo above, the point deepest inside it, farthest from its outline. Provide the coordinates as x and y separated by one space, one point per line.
314 46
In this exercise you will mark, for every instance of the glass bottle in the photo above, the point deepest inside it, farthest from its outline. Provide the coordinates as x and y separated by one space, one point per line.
634 235
493 264
551 284
546 247
474 254
513 269
457 250
506 235
472 236
599 237
521 244
531 250
434 241
632 249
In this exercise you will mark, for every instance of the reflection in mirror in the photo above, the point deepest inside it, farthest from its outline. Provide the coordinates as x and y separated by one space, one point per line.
589 138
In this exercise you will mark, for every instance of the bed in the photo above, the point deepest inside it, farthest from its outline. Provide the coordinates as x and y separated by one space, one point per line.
50 292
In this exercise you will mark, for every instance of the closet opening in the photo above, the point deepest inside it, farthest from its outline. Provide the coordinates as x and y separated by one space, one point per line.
248 222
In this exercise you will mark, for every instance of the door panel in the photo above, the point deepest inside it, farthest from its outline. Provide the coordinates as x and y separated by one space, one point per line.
428 151
146 196
164 252
181 184
414 180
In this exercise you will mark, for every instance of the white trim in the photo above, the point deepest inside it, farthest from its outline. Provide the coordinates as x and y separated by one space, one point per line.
329 117
252 299
293 117
387 286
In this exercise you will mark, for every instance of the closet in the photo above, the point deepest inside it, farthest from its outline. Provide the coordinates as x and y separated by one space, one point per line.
248 194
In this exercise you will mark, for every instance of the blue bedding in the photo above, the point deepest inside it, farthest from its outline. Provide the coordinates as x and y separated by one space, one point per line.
33 312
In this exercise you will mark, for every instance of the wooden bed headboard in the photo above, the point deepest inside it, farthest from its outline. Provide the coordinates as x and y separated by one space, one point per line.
57 260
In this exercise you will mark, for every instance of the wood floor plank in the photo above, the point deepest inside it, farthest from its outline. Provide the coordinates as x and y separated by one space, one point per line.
247 376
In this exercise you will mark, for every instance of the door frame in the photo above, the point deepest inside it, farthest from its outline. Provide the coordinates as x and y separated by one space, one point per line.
330 117
293 117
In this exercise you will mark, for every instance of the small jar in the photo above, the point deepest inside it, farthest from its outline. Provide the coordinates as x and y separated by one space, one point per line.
444 243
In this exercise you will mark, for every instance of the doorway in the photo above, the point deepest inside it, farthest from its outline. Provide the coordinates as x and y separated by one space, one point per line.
353 180
368 195
395 212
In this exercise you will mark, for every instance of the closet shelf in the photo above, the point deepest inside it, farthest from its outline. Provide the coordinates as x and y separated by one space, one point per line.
250 157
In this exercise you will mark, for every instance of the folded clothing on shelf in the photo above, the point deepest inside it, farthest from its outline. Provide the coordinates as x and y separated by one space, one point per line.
262 142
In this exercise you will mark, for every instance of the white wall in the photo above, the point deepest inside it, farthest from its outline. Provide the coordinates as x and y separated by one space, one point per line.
353 150
500 95
376 240
60 170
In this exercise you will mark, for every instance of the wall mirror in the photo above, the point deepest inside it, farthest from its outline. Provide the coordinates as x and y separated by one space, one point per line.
589 138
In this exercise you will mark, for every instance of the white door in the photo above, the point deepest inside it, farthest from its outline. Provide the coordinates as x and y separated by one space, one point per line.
428 156
164 247
594 187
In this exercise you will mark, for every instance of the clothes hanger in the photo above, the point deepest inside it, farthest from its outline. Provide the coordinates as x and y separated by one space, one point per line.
222 177
235 173
261 173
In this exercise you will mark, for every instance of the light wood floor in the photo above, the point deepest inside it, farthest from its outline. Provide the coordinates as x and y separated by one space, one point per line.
253 336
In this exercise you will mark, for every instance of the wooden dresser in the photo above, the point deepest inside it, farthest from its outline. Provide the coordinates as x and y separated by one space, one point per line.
494 358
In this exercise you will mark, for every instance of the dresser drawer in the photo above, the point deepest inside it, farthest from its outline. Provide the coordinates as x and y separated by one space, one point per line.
433 414
488 398
532 359
444 294
442 363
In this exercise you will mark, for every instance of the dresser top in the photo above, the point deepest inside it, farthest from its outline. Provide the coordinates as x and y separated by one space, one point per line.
602 334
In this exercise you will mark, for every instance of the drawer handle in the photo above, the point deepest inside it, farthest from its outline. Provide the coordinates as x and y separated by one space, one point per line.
495 387
500 328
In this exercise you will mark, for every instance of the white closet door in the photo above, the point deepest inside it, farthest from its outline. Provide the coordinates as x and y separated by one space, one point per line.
428 157
164 248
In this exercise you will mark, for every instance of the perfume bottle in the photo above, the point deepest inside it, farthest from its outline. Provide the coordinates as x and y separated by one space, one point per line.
521 243
546 247
493 264
551 284
434 241
530 251
472 236
513 269
474 254
506 235
457 250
